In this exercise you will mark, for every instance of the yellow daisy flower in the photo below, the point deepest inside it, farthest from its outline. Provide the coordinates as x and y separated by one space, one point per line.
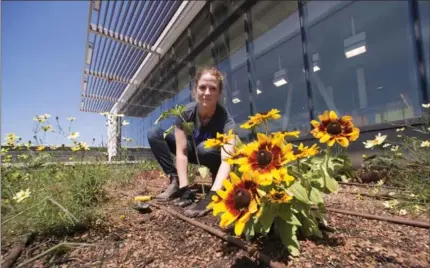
332 129
238 202
279 196
257 119
306 151
220 140
266 158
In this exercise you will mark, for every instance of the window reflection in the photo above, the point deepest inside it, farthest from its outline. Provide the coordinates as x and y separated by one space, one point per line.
279 76
231 61
362 60
424 8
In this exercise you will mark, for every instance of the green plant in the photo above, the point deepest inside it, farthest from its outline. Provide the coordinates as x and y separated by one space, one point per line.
278 186
404 164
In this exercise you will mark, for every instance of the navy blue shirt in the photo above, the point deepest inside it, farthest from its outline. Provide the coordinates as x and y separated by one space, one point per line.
220 122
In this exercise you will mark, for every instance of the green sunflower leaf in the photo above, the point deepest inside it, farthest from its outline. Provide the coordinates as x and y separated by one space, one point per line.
316 196
310 226
286 213
287 232
299 192
270 211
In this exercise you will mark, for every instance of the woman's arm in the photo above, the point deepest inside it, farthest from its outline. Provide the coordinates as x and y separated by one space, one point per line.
224 168
181 157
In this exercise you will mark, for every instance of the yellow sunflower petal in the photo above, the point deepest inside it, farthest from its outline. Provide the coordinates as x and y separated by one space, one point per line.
325 138
217 207
227 185
324 117
343 141
253 206
330 143
315 123
227 218
234 178
221 193
333 115
240 224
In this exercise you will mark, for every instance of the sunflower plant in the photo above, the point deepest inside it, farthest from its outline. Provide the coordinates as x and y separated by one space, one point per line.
275 185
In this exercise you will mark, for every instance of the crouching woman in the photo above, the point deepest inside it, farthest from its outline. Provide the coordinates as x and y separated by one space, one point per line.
209 117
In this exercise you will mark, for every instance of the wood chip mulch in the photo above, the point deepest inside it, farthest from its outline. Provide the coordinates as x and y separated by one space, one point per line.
158 239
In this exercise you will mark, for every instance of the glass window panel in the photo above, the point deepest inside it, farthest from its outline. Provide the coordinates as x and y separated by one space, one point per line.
279 65
231 60
362 60
200 27
204 59
424 8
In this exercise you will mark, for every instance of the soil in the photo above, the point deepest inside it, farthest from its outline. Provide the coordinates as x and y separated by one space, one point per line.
127 238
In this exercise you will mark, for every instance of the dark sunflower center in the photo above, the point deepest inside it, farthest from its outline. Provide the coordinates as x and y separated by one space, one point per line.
241 198
278 196
264 158
334 128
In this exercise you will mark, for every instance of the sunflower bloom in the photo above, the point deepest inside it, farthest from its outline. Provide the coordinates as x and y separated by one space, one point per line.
266 158
306 151
238 202
332 129
257 119
279 196
220 140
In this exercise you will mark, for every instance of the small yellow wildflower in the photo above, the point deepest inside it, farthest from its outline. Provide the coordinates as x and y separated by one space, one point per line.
40 148
22 195
395 148
73 135
122 217
47 128
4 151
425 144
379 139
403 212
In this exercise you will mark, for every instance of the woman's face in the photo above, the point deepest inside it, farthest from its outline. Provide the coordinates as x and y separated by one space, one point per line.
207 91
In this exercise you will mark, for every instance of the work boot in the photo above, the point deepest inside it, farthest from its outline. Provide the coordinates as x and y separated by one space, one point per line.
186 199
200 209
171 190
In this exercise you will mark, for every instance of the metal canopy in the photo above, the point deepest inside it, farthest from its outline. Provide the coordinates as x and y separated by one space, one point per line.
120 35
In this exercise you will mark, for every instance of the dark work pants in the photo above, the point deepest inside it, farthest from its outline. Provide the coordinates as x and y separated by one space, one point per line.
163 148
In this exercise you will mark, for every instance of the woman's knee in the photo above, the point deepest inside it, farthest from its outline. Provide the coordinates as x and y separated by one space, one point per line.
210 154
155 133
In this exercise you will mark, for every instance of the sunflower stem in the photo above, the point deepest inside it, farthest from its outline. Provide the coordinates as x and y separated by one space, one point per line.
266 127
198 162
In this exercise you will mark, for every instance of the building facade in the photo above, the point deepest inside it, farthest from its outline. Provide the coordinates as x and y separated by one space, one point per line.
368 59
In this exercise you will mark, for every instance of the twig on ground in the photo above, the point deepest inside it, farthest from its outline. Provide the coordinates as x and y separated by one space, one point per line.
52 249
16 251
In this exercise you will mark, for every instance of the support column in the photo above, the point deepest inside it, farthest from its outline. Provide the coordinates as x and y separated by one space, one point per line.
114 136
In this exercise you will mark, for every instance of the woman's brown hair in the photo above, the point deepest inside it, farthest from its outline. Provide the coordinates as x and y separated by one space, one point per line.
213 71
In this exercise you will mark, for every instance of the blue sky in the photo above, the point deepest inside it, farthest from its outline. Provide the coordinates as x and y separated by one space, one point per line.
42 47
